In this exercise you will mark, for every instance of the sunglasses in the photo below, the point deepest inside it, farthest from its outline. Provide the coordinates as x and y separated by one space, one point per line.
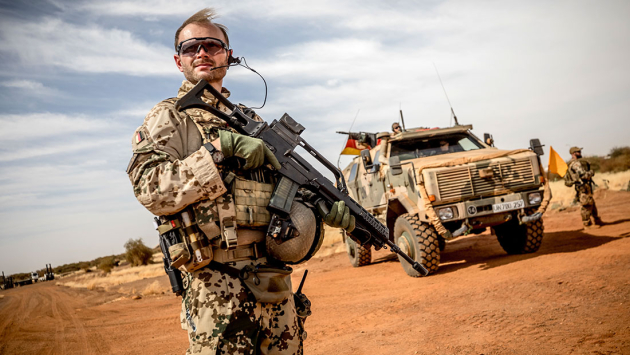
192 46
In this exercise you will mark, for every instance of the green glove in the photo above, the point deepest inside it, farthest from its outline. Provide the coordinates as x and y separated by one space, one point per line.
253 150
339 216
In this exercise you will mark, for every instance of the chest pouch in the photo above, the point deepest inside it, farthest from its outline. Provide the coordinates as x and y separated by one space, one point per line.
251 199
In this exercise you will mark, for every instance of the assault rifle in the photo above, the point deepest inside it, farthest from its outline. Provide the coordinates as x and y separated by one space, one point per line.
282 137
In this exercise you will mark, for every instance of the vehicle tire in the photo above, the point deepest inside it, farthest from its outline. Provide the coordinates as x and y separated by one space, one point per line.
520 239
359 255
419 241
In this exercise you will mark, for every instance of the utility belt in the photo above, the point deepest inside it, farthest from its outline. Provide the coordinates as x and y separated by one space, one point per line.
208 230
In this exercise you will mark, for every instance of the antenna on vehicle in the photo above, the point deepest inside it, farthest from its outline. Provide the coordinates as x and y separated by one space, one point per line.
449 101
346 142
402 120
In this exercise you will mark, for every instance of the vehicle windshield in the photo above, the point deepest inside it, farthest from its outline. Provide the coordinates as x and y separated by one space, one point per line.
431 146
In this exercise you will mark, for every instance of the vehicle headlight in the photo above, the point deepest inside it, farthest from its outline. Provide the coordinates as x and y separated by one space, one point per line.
445 213
534 198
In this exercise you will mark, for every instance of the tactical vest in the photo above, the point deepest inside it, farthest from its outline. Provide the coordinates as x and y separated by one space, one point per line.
244 205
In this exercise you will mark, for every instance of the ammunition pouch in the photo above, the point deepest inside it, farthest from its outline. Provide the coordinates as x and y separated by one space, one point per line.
251 199
195 251
179 254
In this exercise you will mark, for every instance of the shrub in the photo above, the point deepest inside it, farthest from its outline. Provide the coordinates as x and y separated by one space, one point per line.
106 265
85 266
137 253
617 161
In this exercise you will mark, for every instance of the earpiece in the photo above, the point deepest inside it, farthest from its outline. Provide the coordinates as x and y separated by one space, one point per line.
233 60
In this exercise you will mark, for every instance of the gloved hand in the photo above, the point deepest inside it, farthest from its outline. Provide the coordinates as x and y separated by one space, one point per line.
339 216
253 150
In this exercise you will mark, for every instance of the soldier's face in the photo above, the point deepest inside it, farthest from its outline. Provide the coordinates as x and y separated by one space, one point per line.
577 155
201 65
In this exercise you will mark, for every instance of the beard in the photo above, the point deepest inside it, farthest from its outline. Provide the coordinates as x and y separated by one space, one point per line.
208 75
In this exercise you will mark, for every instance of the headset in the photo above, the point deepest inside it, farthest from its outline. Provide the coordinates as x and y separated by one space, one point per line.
234 61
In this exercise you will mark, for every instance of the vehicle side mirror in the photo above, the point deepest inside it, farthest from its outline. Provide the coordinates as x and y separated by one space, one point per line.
394 165
367 159
534 144
487 138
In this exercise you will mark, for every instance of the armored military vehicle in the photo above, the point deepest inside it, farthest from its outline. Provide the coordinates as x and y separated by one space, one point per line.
433 185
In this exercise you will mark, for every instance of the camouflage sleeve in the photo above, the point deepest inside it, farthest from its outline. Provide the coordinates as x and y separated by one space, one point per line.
583 170
164 178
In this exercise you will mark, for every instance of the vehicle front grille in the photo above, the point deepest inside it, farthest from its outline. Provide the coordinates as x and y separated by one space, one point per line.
464 181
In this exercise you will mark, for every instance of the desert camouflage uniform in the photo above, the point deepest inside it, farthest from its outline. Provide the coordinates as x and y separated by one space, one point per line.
169 171
580 175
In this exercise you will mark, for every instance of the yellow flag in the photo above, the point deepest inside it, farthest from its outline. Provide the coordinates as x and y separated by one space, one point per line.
556 164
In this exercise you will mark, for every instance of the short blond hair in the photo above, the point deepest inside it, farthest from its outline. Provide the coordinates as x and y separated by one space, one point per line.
203 17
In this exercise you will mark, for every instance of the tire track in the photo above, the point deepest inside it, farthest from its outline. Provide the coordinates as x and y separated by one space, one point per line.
59 329
7 307
76 322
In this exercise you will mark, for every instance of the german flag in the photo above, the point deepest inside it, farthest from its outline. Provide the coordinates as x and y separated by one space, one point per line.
353 147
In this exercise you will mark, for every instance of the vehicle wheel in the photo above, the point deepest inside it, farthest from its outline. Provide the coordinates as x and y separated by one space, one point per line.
359 255
520 239
419 241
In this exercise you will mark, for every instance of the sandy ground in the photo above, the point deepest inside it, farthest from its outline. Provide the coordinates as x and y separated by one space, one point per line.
571 297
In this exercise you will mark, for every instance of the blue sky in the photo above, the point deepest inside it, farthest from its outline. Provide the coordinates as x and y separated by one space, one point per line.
77 78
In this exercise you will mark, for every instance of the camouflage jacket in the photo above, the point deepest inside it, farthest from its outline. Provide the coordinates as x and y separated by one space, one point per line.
579 173
170 169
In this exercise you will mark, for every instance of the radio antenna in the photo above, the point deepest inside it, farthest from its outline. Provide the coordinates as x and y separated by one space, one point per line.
402 119
447 99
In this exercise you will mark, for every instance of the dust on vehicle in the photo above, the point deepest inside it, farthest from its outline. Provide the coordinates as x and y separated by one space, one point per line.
429 186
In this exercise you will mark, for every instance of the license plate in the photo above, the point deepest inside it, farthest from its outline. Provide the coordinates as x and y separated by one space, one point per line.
508 206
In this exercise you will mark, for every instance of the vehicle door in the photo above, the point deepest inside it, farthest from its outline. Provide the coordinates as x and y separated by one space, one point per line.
353 180
375 184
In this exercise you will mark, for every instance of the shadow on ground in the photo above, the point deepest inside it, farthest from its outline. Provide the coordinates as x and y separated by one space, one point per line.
484 249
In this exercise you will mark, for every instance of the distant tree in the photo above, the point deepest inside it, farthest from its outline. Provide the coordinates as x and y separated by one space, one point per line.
137 253
618 152
107 264
617 161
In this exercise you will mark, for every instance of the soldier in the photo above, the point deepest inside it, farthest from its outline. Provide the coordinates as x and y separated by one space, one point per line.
396 128
580 175
444 146
178 173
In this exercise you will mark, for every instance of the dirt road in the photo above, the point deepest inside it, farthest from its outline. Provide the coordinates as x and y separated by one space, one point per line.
571 297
